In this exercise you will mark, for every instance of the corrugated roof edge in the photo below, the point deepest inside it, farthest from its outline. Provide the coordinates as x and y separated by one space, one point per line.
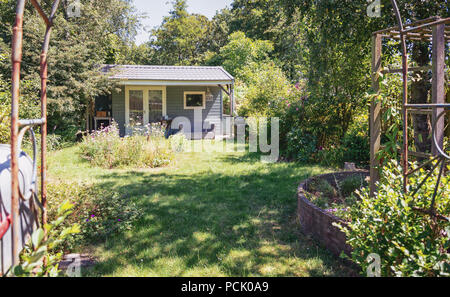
227 73
107 67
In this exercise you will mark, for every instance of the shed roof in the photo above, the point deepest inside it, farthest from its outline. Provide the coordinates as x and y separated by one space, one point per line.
167 73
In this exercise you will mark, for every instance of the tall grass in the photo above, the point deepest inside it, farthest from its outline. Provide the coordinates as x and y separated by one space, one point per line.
106 149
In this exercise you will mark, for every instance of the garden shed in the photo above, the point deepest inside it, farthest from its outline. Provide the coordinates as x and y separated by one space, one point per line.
152 94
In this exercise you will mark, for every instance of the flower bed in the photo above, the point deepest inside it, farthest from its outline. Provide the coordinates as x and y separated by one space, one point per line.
318 222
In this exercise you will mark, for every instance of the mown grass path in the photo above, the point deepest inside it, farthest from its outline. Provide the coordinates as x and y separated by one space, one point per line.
208 214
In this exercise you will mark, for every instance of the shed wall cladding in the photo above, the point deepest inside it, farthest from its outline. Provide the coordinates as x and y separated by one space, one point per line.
211 114
118 109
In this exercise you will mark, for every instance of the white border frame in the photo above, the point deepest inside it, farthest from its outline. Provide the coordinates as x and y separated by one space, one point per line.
145 90
195 93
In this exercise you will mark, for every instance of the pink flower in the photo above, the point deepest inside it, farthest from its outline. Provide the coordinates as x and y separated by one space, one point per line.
297 109
297 85
289 105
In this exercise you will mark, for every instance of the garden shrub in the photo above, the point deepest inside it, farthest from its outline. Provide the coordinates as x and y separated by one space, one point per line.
353 148
99 211
323 187
408 242
107 149
29 109
356 149
349 185
300 146
54 143
50 248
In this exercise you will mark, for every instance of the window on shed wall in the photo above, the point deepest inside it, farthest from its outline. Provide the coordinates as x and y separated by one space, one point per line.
194 100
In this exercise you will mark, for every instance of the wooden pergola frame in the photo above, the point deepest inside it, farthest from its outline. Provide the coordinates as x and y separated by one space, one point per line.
435 30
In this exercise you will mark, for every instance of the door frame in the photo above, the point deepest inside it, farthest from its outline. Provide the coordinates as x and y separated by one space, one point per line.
145 90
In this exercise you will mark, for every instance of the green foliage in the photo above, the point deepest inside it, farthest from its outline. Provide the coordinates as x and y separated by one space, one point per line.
353 148
300 145
5 113
409 242
48 250
100 212
240 52
259 80
264 83
323 187
335 200
108 150
182 38
78 47
29 108
179 142
349 185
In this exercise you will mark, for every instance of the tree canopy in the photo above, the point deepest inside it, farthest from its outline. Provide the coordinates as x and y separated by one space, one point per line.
323 44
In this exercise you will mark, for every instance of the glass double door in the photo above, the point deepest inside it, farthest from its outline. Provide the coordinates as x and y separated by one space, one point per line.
145 105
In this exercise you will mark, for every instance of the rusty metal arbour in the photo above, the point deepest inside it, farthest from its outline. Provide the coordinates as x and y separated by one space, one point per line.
16 123
435 30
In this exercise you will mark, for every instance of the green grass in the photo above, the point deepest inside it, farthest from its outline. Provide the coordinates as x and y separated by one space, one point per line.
208 214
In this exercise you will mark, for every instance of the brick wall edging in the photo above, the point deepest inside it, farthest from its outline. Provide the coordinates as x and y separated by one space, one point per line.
317 222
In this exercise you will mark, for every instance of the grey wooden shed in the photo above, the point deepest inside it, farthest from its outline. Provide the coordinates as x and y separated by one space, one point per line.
155 93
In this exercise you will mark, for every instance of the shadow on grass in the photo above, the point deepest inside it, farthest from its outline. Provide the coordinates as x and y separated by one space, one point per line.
239 222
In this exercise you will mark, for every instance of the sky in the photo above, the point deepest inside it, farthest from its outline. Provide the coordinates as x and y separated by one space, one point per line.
157 9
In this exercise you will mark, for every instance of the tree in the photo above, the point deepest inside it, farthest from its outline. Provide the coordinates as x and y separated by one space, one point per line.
240 52
182 38
78 48
255 17
259 80
336 54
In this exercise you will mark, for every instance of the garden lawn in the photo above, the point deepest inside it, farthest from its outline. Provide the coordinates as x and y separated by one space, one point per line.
208 214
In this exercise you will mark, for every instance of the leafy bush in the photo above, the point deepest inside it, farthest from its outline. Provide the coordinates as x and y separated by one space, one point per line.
54 143
356 149
409 242
108 150
29 108
99 212
336 201
300 146
39 248
262 84
349 185
323 188
353 148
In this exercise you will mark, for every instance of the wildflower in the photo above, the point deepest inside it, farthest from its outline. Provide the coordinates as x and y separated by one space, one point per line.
297 85
297 109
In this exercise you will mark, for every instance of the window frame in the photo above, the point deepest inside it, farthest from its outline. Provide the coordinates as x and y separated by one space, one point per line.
145 89
195 93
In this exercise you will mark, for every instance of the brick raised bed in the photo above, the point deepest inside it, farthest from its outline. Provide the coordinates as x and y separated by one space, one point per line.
317 222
